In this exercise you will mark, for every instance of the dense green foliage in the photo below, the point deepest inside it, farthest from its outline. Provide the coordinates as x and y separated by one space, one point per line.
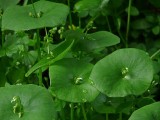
79 59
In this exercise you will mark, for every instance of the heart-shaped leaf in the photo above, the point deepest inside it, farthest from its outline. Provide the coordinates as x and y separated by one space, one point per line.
123 72
70 80
26 102
24 17
148 112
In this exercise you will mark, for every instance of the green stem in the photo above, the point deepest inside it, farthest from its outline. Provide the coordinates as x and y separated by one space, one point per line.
155 54
107 116
128 21
34 9
38 48
62 114
39 57
79 22
47 41
72 111
122 38
88 24
25 2
83 111
109 27
70 16
3 38
120 116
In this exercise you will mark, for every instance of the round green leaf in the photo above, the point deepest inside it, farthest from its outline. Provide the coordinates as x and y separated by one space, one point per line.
35 101
148 112
48 14
70 80
124 72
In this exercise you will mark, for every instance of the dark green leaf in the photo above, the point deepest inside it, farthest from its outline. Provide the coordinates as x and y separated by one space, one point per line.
36 101
24 17
123 72
148 112
6 3
70 80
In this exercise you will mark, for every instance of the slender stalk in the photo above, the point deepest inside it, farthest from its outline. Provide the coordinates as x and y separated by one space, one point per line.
83 111
107 116
109 27
120 116
47 41
3 38
89 23
38 48
72 111
39 57
34 8
128 21
155 54
70 16
62 114
122 38
25 2
79 22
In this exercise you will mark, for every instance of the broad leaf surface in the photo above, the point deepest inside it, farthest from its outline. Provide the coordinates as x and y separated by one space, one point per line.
123 72
18 17
63 75
148 112
37 103
101 39
93 41
6 3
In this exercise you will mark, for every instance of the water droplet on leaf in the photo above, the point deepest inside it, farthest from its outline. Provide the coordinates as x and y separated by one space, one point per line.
84 91
84 100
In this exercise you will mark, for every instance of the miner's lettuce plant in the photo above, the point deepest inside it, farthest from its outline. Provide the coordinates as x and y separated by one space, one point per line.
79 60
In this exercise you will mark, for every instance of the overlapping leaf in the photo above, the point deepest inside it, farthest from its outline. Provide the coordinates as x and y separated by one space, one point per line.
42 14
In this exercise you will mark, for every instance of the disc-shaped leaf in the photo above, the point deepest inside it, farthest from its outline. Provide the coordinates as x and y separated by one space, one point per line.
123 72
48 14
70 80
148 112
36 102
